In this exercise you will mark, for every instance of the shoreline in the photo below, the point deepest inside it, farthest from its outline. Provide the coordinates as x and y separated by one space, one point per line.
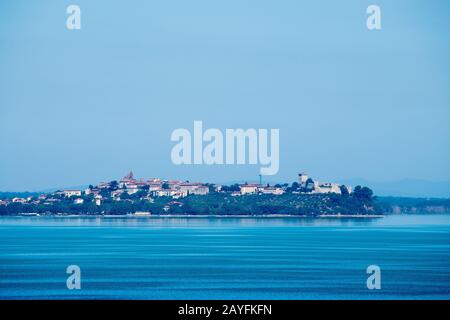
150 216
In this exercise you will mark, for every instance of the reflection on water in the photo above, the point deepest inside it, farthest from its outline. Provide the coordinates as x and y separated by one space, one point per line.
192 221
182 222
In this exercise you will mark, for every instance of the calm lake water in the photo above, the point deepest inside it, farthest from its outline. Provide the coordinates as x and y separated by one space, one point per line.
228 258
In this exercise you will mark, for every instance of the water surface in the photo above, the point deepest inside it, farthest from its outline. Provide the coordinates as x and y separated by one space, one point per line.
225 258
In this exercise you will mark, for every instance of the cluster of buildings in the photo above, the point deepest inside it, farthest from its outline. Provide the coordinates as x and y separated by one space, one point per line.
175 189
308 185
305 185
154 187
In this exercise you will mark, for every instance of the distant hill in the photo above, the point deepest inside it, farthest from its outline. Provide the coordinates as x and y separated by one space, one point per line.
24 194
11 195
83 187
406 188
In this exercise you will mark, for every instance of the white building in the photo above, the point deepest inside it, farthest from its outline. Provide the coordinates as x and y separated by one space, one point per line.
154 187
142 213
189 187
117 193
132 188
200 190
19 200
94 191
302 179
170 193
98 200
103 185
71 193
327 187
249 188
271 190
78 201
194 188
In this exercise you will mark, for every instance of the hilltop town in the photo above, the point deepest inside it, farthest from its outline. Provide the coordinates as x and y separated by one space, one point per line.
130 195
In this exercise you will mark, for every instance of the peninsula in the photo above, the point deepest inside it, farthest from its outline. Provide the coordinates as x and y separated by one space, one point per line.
131 196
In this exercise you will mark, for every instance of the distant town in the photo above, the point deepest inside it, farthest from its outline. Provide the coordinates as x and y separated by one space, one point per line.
129 188
155 196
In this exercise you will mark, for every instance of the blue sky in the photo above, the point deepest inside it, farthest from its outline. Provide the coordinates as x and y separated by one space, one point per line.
79 107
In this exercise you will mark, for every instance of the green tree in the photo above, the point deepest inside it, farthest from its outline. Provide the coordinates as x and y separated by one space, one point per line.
363 193
113 185
105 193
344 190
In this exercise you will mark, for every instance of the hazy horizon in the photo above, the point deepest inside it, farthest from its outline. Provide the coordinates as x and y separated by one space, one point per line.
84 106
399 188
